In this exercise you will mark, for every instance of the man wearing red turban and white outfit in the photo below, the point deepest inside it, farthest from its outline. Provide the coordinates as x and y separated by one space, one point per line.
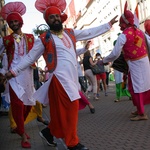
21 88
132 43
61 90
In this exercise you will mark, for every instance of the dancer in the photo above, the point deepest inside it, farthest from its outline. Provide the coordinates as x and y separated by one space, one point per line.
132 43
121 85
17 45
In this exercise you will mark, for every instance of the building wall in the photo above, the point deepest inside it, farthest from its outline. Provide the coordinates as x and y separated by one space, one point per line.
90 13
3 24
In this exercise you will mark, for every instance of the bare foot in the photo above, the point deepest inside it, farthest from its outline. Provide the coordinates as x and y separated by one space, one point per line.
24 137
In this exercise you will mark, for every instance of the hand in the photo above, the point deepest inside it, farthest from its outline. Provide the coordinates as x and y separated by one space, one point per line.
9 75
2 79
112 21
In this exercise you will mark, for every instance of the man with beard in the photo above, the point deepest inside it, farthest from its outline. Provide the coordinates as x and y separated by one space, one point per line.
21 88
132 43
17 46
61 90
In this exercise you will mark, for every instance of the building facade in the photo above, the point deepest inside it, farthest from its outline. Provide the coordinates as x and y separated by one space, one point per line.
89 13
3 24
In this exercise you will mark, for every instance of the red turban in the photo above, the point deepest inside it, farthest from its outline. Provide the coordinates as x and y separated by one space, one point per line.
63 17
147 26
14 16
127 17
48 7
51 10
13 11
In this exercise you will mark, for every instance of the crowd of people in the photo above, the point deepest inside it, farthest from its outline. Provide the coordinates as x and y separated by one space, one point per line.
65 89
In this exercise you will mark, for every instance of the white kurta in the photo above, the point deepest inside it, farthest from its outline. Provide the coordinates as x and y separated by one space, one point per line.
66 69
139 69
22 84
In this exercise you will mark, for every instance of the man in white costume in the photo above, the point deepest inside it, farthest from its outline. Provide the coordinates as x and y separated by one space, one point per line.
21 88
132 42
58 48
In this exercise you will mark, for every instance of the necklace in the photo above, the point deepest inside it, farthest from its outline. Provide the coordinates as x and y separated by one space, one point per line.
20 43
18 37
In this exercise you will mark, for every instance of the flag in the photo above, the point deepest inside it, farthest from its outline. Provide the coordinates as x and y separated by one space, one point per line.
136 17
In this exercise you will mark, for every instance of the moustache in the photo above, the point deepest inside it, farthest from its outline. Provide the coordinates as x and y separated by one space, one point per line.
18 25
57 21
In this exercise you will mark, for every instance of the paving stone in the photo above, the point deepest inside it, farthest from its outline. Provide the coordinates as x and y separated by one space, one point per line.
109 128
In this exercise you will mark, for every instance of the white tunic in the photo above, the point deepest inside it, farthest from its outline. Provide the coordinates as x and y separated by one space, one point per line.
139 69
22 84
66 69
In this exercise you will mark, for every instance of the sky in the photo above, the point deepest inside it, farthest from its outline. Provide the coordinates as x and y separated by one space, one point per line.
32 18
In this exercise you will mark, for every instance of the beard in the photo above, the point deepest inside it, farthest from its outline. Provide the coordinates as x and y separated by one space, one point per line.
56 27
16 27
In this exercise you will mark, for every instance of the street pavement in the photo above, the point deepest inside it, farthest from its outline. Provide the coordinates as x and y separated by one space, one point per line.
109 128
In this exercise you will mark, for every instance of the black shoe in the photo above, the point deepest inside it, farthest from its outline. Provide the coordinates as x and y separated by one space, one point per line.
92 110
46 135
44 121
78 147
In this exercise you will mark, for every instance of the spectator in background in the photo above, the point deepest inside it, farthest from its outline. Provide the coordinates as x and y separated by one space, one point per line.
87 62
41 76
83 101
2 89
38 106
82 78
107 70
102 75
4 94
37 83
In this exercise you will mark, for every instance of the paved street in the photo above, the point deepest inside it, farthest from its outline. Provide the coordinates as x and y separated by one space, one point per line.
108 129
